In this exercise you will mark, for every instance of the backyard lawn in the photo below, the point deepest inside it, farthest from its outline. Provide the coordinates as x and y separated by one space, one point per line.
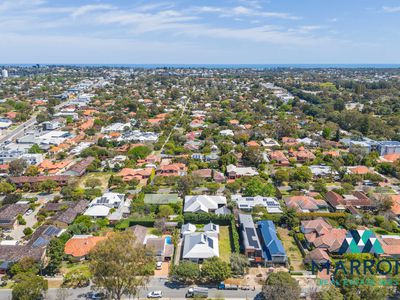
292 251
224 243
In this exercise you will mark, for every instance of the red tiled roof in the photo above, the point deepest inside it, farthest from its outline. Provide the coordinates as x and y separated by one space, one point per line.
81 246
360 170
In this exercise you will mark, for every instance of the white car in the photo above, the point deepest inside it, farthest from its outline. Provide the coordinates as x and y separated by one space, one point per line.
28 212
154 294
159 265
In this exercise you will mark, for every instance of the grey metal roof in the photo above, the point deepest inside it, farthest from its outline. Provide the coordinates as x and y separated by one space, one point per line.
249 233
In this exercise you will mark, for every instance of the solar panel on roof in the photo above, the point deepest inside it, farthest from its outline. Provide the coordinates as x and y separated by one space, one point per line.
50 231
103 200
40 242
251 235
210 243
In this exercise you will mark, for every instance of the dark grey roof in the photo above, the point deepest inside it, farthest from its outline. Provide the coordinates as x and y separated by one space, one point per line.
8 213
69 215
249 233
140 233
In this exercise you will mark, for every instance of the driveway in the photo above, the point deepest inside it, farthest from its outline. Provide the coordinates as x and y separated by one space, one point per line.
164 270
17 233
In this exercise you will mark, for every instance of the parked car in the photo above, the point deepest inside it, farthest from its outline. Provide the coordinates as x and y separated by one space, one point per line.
154 294
28 212
159 265
95 296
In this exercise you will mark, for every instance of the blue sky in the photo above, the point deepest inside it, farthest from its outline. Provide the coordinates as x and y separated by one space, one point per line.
183 31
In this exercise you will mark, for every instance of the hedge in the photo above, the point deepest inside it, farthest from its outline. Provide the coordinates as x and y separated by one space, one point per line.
312 215
234 237
146 222
205 218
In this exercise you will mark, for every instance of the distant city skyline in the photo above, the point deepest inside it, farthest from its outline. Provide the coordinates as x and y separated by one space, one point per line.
200 32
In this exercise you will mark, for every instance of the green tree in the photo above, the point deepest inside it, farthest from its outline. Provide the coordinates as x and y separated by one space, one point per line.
17 167
48 185
164 211
239 264
215 270
326 133
185 184
120 265
252 157
233 187
27 231
28 286
289 218
186 271
212 187
139 152
6 188
25 265
281 175
35 149
92 182
258 187
32 170
21 220
76 279
55 253
332 293
301 174
281 286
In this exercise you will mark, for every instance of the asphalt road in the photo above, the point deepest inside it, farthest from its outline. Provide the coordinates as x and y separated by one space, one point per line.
19 130
155 284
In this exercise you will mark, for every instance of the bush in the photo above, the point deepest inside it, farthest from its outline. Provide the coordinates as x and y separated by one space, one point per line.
76 279
28 231
21 220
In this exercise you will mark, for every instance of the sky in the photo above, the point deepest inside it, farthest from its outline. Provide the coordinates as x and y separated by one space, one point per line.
200 31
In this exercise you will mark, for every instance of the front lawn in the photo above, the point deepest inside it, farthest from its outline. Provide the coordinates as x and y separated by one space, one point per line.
224 244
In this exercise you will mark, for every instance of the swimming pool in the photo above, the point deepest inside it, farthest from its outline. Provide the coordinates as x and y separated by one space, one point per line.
168 240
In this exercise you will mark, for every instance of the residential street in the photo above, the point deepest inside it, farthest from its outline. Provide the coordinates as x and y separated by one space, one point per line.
155 284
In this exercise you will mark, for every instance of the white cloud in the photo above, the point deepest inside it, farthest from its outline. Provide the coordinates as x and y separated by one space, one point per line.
146 22
90 8
7 5
392 9
244 11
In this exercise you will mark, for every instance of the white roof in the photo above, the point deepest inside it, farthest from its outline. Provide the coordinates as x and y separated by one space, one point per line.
242 171
108 199
270 203
9 242
211 228
97 211
227 132
188 228
116 127
200 246
203 203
